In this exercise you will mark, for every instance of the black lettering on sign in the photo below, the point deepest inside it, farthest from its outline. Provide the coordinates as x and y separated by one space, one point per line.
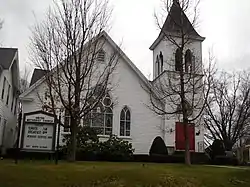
40 118
34 132
48 121
32 128
42 137
31 136
44 147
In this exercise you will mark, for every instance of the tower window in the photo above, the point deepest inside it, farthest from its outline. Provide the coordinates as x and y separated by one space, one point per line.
178 60
188 61
157 64
193 67
4 82
161 62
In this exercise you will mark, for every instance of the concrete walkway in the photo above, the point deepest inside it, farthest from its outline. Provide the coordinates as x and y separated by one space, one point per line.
229 167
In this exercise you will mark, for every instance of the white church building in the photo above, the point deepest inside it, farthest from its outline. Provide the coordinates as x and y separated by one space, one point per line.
131 118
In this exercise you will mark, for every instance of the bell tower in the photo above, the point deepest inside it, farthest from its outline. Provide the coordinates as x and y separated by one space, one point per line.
165 46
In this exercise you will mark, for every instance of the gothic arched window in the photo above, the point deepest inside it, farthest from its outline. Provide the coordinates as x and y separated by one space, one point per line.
161 62
188 61
125 121
102 116
178 60
157 66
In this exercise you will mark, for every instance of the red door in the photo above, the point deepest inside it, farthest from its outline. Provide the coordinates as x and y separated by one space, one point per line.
180 137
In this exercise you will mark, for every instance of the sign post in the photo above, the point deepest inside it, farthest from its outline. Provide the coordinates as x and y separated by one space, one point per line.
18 137
38 132
58 139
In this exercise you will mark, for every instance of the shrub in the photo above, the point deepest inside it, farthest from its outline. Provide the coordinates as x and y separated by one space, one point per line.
115 149
89 147
218 149
86 140
158 147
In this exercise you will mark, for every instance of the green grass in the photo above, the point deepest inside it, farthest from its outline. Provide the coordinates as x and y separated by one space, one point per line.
104 174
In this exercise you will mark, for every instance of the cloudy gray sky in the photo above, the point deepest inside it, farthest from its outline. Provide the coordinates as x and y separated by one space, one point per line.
224 23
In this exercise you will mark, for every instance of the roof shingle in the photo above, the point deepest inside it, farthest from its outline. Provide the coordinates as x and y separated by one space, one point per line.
6 57
177 21
37 74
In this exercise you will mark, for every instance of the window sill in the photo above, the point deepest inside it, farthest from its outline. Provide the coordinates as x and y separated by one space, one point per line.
125 137
103 136
65 132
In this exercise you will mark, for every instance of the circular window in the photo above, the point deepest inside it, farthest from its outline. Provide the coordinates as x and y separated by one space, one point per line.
107 101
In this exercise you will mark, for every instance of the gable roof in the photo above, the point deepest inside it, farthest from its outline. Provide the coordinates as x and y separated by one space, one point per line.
37 74
6 57
176 22
116 47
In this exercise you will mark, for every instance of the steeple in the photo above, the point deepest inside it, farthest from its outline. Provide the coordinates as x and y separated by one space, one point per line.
176 22
176 1
175 25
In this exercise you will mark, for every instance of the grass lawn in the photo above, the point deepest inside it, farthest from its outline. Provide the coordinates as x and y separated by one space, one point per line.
104 174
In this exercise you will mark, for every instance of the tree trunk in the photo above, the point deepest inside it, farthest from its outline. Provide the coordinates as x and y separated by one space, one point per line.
187 147
184 112
72 147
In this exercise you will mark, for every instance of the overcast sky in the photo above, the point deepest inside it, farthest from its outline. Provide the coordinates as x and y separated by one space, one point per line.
224 23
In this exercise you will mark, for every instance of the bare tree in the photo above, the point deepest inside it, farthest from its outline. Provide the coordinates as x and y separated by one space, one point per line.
228 108
24 79
180 91
69 45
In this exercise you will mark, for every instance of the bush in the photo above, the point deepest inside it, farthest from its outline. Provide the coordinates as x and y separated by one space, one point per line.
115 149
86 140
89 147
218 149
158 147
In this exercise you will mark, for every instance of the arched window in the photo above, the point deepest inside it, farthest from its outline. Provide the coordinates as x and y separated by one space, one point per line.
178 60
125 121
161 61
102 116
157 66
193 67
66 121
101 55
188 61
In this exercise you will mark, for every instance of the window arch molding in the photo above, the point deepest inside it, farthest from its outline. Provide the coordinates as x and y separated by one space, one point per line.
125 121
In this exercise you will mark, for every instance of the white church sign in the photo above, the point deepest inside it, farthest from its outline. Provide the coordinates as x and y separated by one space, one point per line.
38 132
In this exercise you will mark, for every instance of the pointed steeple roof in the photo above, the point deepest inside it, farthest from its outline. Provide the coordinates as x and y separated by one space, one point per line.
176 22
